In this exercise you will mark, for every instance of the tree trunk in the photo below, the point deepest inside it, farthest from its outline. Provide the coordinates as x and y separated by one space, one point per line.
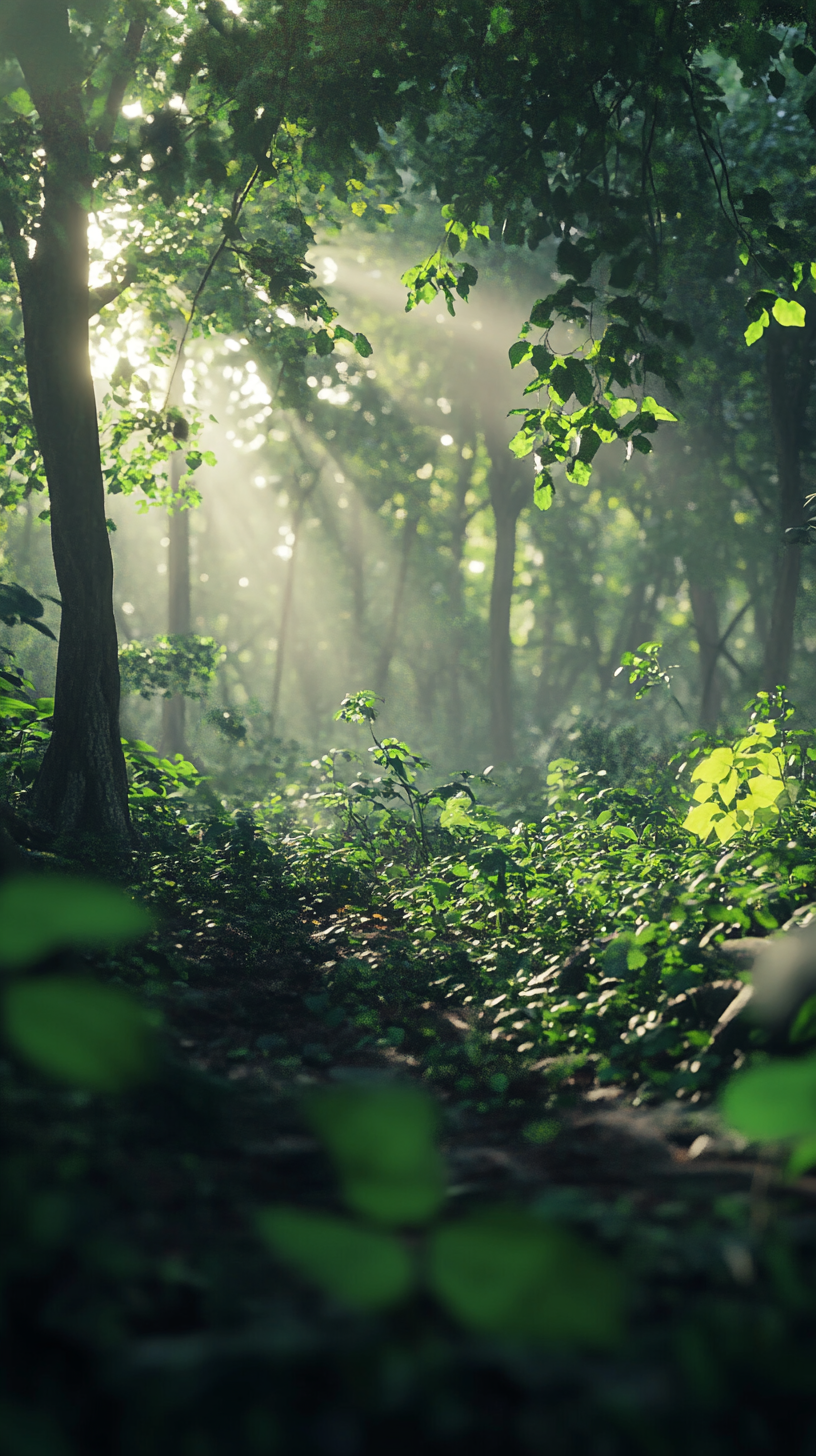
179 617
283 630
789 379
82 785
461 516
706 625
391 639
508 495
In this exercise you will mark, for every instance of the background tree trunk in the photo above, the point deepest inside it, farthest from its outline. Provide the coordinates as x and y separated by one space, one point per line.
706 625
790 374
82 785
509 493
392 633
179 617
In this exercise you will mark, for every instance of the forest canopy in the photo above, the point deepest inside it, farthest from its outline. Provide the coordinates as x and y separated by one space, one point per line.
407 760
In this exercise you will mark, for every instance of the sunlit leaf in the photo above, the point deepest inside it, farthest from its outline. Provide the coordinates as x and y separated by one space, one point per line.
622 406
362 1267
78 1031
756 329
543 493
699 819
789 313
41 914
715 768
455 815
651 407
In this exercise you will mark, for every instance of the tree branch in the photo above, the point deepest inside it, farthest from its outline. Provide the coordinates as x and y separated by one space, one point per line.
10 223
118 85
99 298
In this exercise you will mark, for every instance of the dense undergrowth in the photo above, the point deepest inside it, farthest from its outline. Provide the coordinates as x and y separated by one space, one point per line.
359 928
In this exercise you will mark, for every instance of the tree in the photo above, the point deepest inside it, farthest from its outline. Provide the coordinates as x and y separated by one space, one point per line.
255 126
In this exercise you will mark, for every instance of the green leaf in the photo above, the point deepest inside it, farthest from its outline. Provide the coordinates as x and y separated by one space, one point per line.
505 1272
541 314
382 1144
79 1032
775 1101
519 351
715 767
651 407
789 313
41 914
362 346
543 492
579 470
622 406
361 1267
522 444
756 329
323 342
19 101
804 1026
455 814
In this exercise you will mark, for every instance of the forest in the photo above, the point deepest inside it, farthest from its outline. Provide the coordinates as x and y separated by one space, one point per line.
407 727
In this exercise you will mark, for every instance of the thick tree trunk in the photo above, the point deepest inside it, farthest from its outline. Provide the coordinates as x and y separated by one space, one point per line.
461 516
789 378
82 785
179 617
283 631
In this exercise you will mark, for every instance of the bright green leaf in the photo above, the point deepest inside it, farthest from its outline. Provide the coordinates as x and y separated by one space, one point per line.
651 407
622 406
543 492
715 768
455 815
756 329
789 313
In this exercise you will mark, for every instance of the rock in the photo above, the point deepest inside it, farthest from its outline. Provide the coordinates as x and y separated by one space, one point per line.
785 975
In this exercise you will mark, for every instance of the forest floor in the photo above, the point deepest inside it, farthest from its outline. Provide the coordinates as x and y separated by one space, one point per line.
150 1317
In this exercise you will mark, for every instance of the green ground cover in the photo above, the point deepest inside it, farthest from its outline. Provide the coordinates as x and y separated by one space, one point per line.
402 1127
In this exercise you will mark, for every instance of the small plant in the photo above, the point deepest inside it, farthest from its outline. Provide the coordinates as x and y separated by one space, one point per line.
645 670
738 787
184 664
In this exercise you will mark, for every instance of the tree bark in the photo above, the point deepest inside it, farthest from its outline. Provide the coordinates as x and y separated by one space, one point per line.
391 639
82 785
508 496
789 379
706 625
179 616
460 518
